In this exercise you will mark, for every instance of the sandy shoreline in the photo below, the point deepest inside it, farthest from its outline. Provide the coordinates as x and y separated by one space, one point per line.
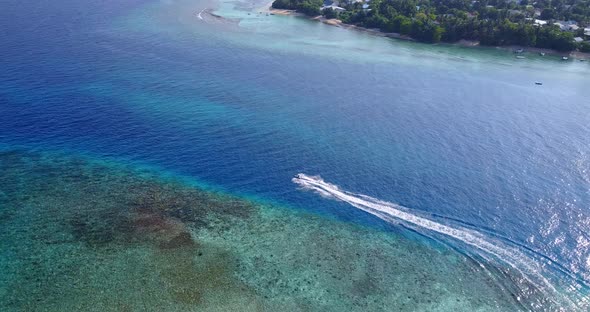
462 42
284 12
337 23
373 31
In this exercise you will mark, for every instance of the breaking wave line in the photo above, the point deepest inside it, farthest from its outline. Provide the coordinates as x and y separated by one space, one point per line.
529 267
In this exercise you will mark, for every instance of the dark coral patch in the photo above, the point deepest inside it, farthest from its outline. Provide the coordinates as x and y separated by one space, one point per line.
182 240
138 227
186 204
84 220
89 233
164 232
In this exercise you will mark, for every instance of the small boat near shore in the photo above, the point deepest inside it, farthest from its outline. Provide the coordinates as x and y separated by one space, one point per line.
538 83
564 58
542 54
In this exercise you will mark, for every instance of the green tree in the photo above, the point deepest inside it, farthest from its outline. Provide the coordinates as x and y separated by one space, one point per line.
405 26
329 13
547 14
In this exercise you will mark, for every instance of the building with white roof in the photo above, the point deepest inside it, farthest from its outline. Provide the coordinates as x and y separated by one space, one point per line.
540 22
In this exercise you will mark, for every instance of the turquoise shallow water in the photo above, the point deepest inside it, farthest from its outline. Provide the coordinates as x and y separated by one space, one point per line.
101 236
459 183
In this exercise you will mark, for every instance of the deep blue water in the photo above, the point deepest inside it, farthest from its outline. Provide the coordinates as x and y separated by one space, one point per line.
474 141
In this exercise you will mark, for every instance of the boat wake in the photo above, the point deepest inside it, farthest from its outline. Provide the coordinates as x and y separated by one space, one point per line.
208 16
531 267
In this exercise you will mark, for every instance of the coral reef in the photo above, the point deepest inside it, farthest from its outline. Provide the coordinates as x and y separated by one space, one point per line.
79 234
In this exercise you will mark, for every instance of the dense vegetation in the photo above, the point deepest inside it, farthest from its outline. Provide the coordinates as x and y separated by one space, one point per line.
308 7
491 22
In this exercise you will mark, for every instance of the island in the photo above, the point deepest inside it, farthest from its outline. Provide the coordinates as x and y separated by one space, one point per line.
561 25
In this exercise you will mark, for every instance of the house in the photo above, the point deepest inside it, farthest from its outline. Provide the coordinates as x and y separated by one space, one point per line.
540 22
567 25
365 6
537 12
578 39
587 31
334 7
560 25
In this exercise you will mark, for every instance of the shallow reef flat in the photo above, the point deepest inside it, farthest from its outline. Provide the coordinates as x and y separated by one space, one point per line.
79 234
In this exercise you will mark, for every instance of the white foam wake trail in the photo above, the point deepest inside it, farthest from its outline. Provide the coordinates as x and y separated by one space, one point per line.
199 15
394 213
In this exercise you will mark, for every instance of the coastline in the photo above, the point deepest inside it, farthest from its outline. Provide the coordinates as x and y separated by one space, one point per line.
582 56
282 11
373 31
335 22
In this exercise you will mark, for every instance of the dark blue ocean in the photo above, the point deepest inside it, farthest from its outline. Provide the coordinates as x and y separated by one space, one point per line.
460 136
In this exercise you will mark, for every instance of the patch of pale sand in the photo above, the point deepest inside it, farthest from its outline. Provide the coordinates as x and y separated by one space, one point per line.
332 21
467 43
284 12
